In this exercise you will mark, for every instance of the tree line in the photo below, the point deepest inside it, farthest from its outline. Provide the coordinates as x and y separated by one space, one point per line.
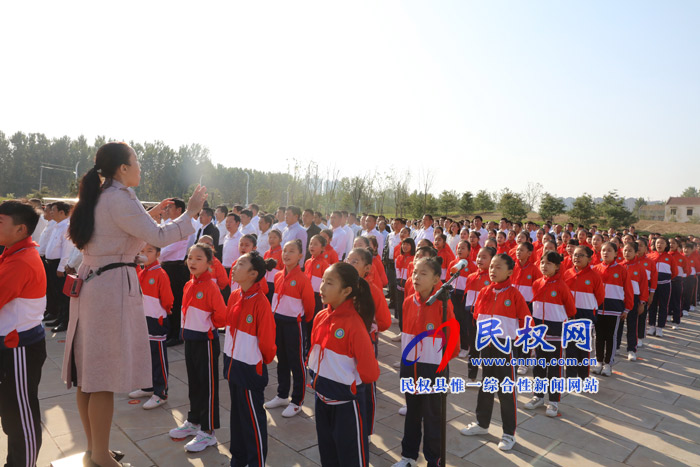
30 159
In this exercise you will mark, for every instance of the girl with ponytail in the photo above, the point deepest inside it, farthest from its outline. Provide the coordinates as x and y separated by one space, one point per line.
107 348
341 362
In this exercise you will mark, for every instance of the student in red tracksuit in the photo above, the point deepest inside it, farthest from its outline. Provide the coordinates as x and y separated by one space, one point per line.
638 275
463 252
667 270
402 261
676 303
552 304
619 300
329 255
444 252
157 302
314 268
525 273
691 280
567 260
596 244
292 304
652 281
246 244
503 302
22 338
377 275
588 290
361 260
248 349
377 264
275 252
475 283
474 244
423 359
522 237
218 272
340 363
502 244
203 311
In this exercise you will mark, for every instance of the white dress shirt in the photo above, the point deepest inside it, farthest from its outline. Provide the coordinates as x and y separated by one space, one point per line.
293 232
426 234
339 242
379 237
40 226
230 253
222 231
247 229
45 236
54 246
350 238
281 225
394 239
263 242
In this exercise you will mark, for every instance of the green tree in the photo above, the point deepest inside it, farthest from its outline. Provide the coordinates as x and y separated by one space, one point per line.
583 210
512 205
638 203
483 201
551 206
466 202
614 213
690 192
448 201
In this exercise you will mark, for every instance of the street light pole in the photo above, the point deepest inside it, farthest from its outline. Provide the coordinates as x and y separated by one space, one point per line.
247 183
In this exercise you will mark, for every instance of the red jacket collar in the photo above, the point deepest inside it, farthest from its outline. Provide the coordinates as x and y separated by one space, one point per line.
499 286
203 278
26 243
255 288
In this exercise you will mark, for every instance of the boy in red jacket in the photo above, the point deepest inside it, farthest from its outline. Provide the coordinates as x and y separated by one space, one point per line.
501 301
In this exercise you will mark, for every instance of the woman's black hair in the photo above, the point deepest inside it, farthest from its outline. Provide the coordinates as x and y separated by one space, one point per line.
509 261
328 232
412 244
364 253
466 242
634 246
364 240
259 264
490 250
321 239
434 263
429 250
588 251
296 242
476 232
612 245
552 257
108 159
528 246
361 293
208 250
251 238
573 242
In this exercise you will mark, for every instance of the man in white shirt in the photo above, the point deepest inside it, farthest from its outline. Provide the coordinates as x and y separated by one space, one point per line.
353 223
371 226
393 240
479 227
281 223
57 252
41 225
264 226
233 235
46 234
294 230
220 215
255 209
340 236
349 231
247 226
426 233
318 220
172 260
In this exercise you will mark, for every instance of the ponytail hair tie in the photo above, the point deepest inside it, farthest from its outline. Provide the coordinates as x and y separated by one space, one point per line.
99 171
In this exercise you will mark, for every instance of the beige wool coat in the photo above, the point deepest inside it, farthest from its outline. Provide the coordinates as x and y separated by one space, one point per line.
107 345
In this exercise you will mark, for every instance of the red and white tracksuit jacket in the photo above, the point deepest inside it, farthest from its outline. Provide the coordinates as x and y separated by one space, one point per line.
293 299
652 274
588 290
638 275
203 309
22 295
619 294
157 299
276 254
523 277
314 269
475 282
341 355
504 302
447 257
552 304
461 282
329 255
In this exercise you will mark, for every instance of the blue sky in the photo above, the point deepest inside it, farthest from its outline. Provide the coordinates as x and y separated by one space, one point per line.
578 96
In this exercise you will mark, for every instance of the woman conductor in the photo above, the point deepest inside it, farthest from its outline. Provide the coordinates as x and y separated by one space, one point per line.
107 348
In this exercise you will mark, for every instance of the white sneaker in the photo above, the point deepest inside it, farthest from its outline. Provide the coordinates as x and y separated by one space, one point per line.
685 312
291 410
396 338
607 371
659 332
631 356
276 402
534 403
474 429
201 441
154 402
675 326
463 353
139 393
507 442
552 409
651 331
522 370
184 430
394 321
403 410
597 368
405 462
640 343
692 308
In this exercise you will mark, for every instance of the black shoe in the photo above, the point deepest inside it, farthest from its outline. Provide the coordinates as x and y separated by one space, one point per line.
60 328
50 317
54 323
173 342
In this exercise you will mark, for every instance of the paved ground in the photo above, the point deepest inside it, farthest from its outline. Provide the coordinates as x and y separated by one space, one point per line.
647 413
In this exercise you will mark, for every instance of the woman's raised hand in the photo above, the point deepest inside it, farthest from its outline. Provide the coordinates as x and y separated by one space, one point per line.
158 210
196 202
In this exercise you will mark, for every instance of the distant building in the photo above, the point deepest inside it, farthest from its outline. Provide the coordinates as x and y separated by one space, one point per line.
652 212
681 209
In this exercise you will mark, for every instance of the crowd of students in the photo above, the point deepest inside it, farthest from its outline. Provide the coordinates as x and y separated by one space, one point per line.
312 292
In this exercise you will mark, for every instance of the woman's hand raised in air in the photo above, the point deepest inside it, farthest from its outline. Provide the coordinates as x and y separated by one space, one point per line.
196 202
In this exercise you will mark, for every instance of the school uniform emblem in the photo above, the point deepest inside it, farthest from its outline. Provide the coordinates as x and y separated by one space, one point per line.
666 259
430 326
507 303
339 333
588 282
249 319
151 281
486 282
318 266
636 273
293 283
199 295
554 293
646 264
529 276
616 275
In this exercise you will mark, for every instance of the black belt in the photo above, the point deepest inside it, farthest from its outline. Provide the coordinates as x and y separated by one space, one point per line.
109 267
